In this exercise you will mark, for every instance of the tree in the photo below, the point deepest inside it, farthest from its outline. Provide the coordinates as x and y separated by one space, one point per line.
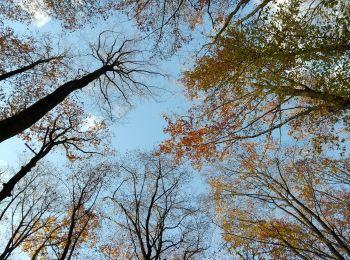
116 249
64 235
158 219
73 15
287 69
26 55
115 71
113 74
166 18
23 53
65 132
20 214
54 219
174 21
293 205
30 68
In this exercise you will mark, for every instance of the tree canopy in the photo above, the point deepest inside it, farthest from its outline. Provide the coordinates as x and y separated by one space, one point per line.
267 129
287 68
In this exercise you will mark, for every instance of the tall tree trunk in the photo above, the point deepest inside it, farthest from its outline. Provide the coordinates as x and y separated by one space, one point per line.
16 124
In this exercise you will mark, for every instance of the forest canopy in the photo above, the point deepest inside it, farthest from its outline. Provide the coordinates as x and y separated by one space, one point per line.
253 163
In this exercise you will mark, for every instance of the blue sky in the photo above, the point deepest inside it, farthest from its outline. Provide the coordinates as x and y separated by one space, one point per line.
142 126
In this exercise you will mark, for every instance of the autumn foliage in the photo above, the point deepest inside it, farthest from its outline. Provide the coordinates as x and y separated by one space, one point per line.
270 75
267 127
294 205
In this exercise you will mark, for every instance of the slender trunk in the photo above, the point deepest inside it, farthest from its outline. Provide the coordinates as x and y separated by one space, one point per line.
340 242
69 239
25 68
72 227
6 253
10 185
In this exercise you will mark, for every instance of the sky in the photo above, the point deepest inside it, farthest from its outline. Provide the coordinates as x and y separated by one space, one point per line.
141 127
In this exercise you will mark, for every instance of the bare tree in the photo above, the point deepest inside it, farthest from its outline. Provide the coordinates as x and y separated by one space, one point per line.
80 220
115 74
22 214
61 132
160 220
53 216
291 206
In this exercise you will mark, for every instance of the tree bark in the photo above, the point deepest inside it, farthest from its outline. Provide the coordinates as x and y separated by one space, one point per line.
10 185
17 123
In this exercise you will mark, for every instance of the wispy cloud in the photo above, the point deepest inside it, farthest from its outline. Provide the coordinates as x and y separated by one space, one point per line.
40 19
90 122
35 8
